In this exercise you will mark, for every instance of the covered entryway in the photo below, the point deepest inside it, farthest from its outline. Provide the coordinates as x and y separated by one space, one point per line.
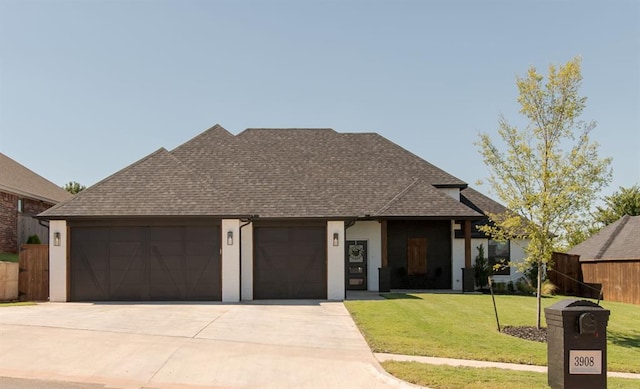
290 262
143 263
356 265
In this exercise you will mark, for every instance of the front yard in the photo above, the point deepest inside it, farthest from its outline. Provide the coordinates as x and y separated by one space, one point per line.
464 326
9 257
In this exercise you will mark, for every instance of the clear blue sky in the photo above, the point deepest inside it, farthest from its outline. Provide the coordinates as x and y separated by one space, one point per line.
88 87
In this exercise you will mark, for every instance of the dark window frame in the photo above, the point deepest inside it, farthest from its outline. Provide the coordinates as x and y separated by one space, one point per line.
499 256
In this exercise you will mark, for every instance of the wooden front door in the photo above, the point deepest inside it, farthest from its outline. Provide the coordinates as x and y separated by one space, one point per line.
356 265
417 256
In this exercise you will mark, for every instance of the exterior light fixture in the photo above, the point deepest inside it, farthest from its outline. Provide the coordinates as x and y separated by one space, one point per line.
56 239
230 238
336 240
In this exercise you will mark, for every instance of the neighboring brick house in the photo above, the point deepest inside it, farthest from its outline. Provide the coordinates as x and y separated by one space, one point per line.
23 193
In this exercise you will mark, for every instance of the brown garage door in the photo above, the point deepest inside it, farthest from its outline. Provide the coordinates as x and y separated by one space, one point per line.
290 262
145 263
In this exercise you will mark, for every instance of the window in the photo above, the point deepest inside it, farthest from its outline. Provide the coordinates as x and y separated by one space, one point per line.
499 254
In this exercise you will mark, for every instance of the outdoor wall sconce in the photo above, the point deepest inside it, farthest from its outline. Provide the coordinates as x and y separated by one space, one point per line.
56 239
336 241
230 238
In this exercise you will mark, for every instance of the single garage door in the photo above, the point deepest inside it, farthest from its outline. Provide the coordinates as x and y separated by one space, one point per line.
290 262
145 263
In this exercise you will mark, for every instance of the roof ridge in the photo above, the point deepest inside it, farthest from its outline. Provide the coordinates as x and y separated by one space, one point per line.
614 234
397 197
203 134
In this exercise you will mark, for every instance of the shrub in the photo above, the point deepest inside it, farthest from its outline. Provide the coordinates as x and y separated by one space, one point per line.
33 239
481 269
548 288
525 288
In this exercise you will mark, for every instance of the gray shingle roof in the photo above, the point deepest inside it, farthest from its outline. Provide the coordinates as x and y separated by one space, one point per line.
17 179
617 241
275 173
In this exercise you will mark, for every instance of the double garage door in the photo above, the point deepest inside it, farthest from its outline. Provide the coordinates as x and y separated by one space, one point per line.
166 263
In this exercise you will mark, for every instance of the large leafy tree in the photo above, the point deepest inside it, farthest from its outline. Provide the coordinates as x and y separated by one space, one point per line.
626 201
548 172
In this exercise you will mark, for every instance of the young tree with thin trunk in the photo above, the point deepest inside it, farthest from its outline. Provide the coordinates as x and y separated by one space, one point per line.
548 173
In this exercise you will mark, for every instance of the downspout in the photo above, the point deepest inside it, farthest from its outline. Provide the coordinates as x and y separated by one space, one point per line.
246 223
45 226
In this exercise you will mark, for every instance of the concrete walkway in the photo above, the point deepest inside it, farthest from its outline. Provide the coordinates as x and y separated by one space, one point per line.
302 344
481 364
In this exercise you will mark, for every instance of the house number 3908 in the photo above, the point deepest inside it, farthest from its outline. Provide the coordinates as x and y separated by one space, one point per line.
585 362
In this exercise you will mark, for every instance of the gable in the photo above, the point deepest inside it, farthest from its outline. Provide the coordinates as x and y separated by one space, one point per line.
275 173
617 241
19 180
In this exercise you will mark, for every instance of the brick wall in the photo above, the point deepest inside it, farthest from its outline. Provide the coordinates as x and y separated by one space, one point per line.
9 219
34 207
8 223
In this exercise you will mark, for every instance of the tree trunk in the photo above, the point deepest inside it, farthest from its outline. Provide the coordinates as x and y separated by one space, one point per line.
539 295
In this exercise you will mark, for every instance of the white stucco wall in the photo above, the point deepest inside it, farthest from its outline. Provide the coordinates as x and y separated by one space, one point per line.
335 261
516 252
451 192
58 262
369 231
457 260
230 261
246 269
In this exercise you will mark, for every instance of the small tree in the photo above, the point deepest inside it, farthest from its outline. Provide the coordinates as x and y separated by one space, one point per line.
548 173
74 187
481 269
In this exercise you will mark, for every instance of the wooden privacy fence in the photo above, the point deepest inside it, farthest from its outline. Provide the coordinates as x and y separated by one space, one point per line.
33 279
28 226
566 274
620 279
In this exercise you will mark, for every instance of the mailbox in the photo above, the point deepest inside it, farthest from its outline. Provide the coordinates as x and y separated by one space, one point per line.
577 345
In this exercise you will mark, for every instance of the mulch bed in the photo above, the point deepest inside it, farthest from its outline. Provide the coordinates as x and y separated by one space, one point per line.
528 333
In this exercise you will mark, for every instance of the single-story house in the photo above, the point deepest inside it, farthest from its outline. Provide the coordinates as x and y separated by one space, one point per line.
23 194
611 258
265 214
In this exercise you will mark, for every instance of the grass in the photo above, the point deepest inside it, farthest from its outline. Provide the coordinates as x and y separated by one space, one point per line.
463 326
16 304
9 257
449 377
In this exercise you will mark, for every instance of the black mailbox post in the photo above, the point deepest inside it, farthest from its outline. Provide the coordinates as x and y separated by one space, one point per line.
577 345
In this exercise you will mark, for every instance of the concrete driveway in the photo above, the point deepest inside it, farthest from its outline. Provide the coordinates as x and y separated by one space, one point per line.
304 344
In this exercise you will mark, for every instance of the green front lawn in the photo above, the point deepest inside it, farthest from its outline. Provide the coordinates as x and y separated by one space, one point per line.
463 326
450 377
9 257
